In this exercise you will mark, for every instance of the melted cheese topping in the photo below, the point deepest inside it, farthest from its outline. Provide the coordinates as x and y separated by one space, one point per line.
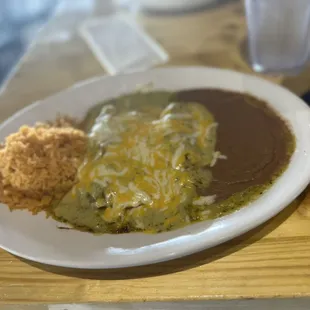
143 164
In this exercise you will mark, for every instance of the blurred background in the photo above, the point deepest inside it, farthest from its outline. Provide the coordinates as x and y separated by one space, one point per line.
20 20
277 41
42 50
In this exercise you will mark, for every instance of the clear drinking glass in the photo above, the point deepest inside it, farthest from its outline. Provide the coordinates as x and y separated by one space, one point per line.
278 34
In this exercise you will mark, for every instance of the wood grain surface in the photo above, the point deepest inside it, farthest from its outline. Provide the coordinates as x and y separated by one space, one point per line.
273 260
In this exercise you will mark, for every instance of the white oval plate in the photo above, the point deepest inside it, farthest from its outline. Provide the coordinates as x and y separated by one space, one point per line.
37 238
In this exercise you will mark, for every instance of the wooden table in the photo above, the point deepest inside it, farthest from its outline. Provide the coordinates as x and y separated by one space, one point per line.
272 260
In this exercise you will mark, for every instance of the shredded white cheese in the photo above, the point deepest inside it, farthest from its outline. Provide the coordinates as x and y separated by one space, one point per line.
205 213
139 194
176 157
204 200
101 170
216 156
209 128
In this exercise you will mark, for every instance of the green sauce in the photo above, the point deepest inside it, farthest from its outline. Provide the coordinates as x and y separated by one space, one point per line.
90 206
